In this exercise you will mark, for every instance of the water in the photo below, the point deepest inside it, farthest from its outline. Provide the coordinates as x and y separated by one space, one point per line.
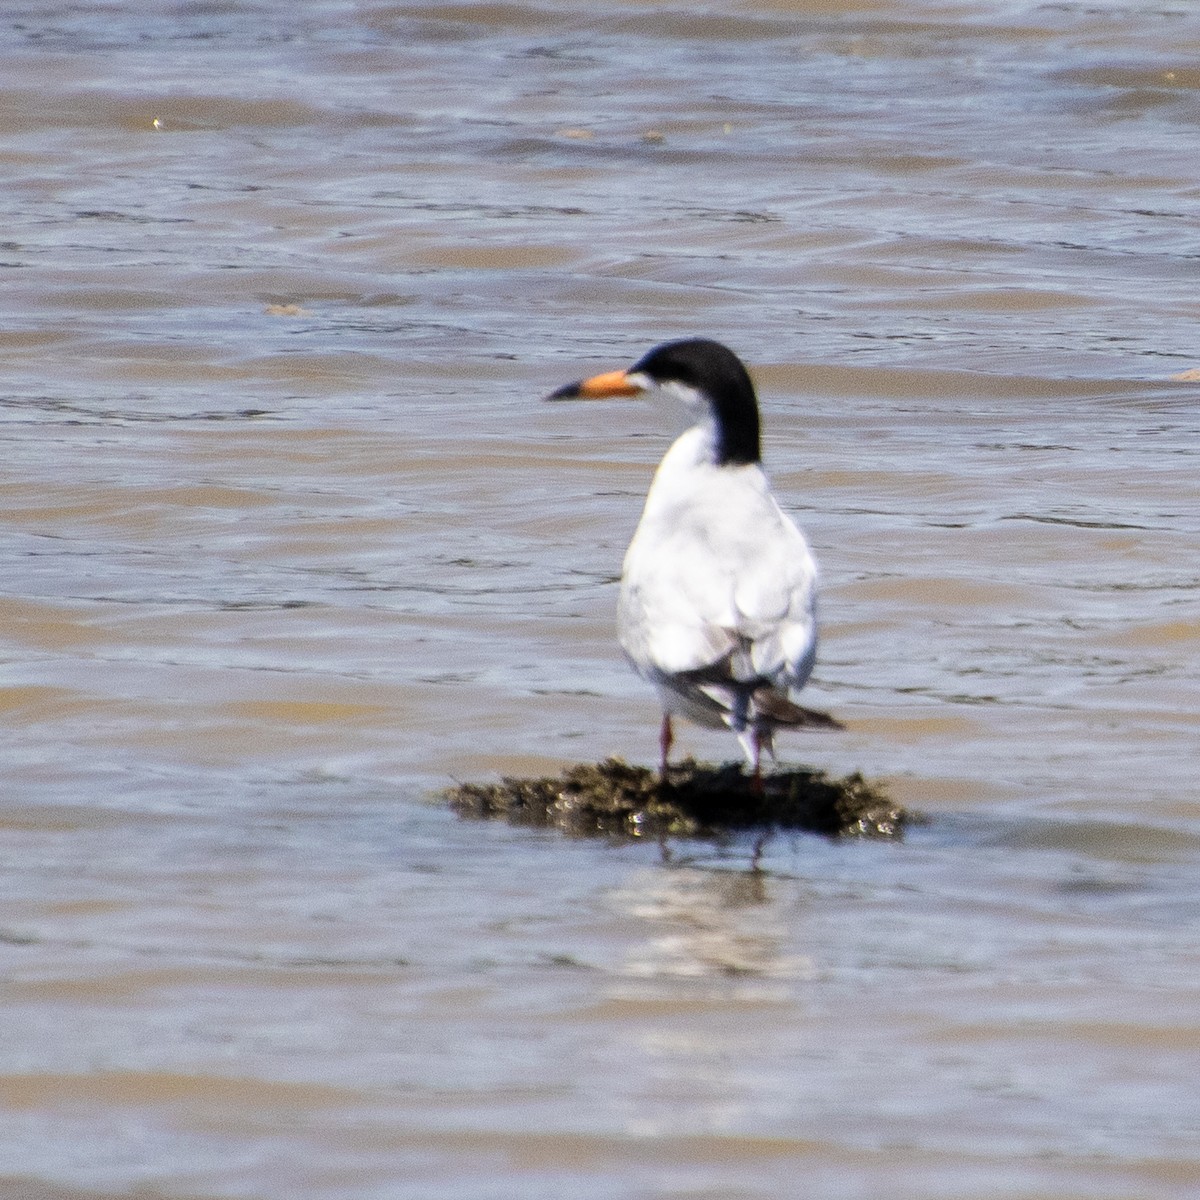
291 542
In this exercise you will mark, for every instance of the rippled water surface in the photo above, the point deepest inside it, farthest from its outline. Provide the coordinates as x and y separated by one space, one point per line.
291 542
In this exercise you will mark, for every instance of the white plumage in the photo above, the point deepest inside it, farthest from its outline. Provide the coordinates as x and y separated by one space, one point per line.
719 590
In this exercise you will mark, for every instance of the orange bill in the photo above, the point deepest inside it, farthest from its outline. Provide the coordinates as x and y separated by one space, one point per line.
610 383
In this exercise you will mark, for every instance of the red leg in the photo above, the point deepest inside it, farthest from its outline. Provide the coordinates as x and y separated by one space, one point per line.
666 738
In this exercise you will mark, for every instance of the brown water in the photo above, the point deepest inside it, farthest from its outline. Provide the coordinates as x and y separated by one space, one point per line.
291 542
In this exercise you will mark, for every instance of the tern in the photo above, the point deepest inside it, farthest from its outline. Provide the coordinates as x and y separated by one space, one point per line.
718 600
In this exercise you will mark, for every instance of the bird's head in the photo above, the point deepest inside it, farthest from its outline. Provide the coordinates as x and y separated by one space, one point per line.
708 377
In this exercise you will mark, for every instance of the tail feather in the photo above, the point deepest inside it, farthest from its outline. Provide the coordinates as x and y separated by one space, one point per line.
775 707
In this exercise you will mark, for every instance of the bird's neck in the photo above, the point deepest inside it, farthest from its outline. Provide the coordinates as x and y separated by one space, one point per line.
697 446
693 456
737 431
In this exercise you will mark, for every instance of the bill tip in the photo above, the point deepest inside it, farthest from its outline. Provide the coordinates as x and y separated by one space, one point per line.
569 391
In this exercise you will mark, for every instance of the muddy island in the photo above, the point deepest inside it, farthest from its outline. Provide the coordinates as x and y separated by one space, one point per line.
696 800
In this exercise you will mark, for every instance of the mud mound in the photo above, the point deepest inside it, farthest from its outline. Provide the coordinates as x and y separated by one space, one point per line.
696 800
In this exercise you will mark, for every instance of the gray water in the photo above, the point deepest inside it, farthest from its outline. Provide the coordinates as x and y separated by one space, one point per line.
291 543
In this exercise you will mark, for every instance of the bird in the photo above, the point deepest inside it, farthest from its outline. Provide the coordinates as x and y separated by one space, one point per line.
718 598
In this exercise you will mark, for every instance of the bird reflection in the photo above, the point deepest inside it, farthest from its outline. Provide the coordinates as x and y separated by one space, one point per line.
709 923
